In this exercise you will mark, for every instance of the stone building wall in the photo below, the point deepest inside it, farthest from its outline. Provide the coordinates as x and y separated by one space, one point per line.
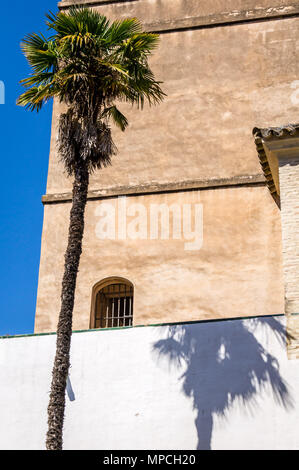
289 195
224 72
234 271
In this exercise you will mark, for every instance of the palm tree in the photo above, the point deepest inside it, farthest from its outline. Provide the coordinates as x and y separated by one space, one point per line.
90 64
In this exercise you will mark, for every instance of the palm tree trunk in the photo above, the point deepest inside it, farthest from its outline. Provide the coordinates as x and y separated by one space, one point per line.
64 328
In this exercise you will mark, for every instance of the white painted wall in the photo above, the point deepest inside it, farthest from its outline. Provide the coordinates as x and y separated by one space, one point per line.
223 384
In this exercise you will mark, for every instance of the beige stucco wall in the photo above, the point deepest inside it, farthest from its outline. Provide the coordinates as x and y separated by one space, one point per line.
171 13
237 271
220 83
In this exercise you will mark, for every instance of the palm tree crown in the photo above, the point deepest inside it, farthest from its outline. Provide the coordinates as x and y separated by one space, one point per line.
90 64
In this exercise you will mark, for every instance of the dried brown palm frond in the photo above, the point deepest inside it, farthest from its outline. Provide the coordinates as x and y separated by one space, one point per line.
84 139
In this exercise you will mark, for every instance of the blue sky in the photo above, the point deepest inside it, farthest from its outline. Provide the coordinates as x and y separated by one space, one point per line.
25 139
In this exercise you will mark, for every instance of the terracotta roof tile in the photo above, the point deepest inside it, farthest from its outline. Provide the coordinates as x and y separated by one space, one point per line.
276 132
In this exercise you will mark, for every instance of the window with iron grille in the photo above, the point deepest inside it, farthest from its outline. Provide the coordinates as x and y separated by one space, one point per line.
114 306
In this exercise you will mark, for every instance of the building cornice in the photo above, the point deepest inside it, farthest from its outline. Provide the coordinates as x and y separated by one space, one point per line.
67 3
225 18
272 144
276 133
140 190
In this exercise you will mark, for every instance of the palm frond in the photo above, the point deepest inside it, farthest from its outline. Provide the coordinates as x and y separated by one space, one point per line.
34 98
41 53
38 79
119 119
78 20
139 45
122 30
116 67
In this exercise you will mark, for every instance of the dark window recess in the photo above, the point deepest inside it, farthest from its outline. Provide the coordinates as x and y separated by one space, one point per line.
114 306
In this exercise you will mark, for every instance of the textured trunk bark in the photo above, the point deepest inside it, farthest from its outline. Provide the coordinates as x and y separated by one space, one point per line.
64 329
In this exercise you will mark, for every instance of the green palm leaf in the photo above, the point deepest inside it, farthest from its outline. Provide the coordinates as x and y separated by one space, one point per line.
119 119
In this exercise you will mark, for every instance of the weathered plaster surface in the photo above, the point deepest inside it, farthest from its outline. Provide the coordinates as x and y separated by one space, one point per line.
172 14
237 272
229 386
220 83
252 180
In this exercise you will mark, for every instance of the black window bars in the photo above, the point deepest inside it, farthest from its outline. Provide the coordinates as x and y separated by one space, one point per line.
114 306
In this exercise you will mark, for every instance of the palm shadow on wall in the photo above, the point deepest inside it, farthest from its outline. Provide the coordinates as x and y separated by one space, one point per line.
224 363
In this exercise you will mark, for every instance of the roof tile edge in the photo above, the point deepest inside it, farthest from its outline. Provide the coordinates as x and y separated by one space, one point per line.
266 134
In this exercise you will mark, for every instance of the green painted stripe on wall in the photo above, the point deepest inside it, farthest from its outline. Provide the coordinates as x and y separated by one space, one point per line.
147 326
